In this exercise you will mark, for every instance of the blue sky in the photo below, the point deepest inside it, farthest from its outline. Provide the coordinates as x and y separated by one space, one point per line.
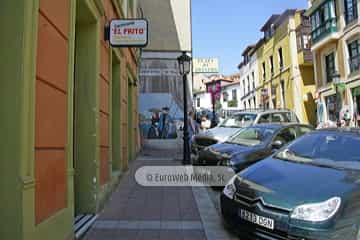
223 28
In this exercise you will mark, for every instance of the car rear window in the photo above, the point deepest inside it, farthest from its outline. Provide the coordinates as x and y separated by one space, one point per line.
239 120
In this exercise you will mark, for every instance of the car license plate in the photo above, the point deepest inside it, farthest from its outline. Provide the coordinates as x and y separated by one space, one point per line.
256 219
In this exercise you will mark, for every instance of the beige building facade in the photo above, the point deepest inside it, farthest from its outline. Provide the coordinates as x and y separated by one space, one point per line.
336 51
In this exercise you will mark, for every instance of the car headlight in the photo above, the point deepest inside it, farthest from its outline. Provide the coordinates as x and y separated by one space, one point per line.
230 189
317 212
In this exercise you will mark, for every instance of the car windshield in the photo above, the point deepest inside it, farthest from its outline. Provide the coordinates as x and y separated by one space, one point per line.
238 120
325 148
252 136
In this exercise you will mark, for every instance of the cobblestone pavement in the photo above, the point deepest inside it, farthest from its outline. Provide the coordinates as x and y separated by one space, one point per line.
136 212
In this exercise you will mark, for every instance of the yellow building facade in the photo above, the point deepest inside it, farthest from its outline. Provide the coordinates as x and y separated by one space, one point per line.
286 78
336 53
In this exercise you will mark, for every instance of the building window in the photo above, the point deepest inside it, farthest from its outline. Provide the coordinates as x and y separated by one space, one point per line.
323 21
234 95
329 66
282 86
354 53
248 84
351 13
198 102
273 96
281 59
225 96
264 71
244 86
271 65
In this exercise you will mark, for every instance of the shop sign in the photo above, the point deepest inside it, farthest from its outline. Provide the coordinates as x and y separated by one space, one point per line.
206 65
128 33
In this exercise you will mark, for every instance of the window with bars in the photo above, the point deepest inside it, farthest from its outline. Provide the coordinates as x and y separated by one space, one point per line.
351 12
354 54
330 66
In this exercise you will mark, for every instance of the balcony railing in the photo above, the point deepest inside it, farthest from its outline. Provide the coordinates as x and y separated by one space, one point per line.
323 30
354 64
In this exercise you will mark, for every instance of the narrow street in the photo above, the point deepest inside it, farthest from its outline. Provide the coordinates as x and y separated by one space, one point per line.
180 120
136 212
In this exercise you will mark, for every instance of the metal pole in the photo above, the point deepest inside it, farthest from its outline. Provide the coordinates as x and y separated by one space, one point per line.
213 90
338 122
186 157
213 120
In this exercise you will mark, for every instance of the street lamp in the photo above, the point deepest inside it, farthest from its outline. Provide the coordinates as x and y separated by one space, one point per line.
184 67
213 94
336 80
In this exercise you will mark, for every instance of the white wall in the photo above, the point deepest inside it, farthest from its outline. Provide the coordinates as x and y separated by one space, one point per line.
182 17
229 90
169 24
205 100
245 73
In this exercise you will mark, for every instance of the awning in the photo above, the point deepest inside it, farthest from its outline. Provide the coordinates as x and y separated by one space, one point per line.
356 91
314 6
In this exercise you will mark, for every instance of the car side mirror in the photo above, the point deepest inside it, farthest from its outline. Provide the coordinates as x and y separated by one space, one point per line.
277 144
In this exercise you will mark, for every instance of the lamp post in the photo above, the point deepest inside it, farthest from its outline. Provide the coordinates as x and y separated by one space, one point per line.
336 80
213 120
184 66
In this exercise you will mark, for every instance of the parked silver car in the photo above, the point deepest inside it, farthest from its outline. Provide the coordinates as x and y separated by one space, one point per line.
237 121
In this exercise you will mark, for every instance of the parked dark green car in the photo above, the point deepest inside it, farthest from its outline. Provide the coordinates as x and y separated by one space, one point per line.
310 189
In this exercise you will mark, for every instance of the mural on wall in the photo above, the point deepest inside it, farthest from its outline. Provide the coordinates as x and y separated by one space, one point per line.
160 99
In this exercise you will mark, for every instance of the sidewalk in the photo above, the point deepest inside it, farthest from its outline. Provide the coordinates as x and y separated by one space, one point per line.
135 212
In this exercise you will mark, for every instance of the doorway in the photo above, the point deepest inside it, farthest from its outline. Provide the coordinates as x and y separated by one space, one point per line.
116 145
85 125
